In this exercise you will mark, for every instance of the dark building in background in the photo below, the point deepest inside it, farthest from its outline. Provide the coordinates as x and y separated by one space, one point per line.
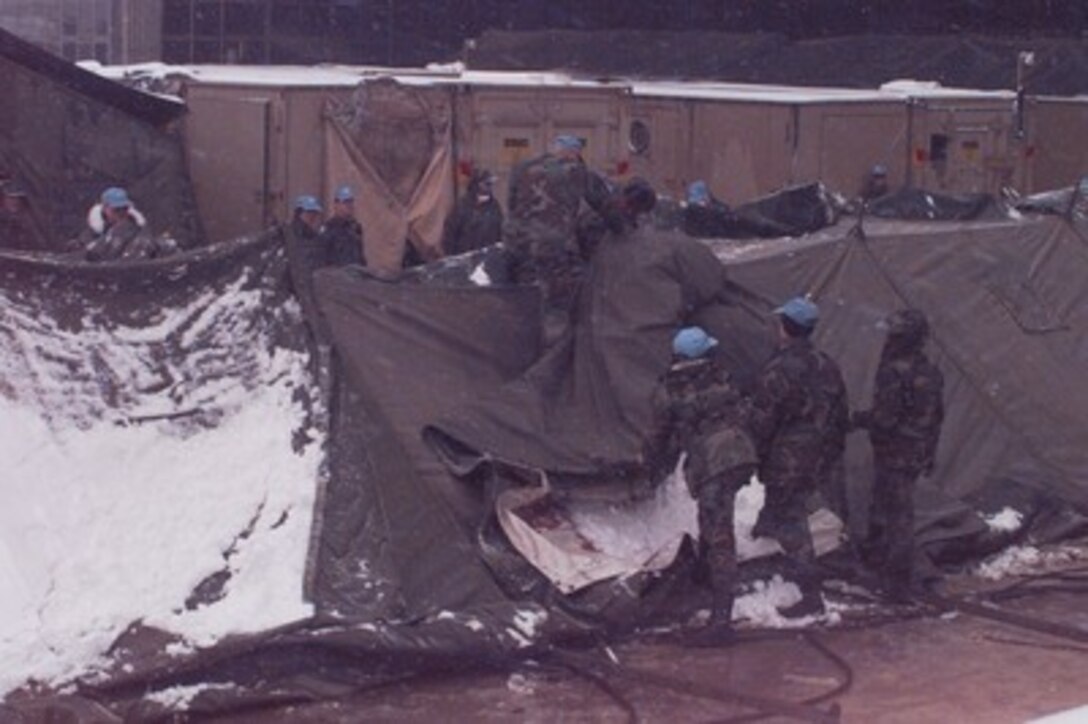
414 32
109 31
317 31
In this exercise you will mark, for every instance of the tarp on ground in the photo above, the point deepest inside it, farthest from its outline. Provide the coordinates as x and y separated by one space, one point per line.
402 575
67 134
911 204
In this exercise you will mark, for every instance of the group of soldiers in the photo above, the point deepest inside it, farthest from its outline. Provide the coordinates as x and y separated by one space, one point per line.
790 429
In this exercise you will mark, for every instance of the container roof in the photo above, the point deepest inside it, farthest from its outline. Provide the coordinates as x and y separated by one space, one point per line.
455 73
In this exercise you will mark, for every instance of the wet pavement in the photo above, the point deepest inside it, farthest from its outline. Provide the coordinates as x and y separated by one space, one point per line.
924 668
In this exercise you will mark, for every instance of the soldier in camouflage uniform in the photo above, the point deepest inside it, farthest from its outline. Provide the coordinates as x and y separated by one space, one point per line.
904 426
699 411
799 423
546 194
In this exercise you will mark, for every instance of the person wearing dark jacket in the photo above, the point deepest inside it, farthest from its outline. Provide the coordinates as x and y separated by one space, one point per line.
305 255
799 422
342 234
621 213
904 424
699 411
705 217
18 227
477 219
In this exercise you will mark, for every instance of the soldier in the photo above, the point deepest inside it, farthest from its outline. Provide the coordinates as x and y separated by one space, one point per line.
546 194
799 423
705 217
18 229
698 411
620 214
305 255
904 425
342 234
876 185
476 221
123 234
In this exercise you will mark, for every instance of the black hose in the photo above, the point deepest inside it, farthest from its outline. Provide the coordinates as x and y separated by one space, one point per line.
766 705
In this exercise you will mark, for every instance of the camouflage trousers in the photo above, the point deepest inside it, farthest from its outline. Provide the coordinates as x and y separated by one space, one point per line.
541 255
785 518
716 498
891 527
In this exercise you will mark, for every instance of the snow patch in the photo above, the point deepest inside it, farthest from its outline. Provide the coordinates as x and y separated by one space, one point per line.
1006 520
520 684
179 698
133 475
527 623
1027 559
480 277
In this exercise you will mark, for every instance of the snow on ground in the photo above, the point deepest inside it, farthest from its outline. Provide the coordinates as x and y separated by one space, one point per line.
130 476
1007 520
1028 560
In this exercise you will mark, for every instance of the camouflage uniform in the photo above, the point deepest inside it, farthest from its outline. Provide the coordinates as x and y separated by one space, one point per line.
904 426
799 422
124 239
546 194
699 411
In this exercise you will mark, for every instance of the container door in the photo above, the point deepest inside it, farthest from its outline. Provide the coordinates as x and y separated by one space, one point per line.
227 141
966 149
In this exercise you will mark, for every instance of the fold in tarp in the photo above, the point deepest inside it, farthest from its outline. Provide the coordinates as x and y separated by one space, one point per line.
585 406
394 145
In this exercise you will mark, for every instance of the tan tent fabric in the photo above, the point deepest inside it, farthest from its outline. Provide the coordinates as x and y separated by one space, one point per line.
402 178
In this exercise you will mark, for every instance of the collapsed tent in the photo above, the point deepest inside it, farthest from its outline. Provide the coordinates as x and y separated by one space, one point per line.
792 211
911 204
66 134
407 567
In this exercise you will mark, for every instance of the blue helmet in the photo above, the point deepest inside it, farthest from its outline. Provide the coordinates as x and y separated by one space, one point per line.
116 197
567 142
345 193
801 311
698 192
692 342
307 203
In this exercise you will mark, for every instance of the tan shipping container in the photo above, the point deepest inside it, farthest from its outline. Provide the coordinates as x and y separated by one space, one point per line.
1059 148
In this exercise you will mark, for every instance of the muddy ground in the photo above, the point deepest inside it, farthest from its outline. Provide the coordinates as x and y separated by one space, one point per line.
911 664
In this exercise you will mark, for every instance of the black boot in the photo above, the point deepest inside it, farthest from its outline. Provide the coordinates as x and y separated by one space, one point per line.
811 603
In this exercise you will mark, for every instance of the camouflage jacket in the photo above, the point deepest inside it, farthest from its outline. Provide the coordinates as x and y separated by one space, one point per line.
123 240
548 191
698 410
799 416
905 420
